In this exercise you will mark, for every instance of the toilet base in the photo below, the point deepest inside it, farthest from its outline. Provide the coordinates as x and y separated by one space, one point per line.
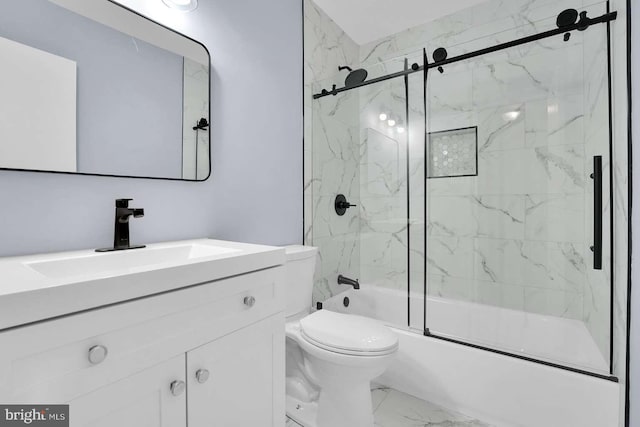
342 380
303 413
337 409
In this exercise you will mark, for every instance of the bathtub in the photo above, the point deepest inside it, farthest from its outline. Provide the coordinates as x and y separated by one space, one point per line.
499 389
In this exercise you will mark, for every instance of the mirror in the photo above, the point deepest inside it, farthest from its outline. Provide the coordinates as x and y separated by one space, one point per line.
91 87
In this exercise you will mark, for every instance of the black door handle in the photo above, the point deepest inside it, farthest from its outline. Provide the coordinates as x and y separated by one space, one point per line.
597 212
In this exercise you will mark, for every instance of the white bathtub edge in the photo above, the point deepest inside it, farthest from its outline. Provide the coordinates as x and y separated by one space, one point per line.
501 390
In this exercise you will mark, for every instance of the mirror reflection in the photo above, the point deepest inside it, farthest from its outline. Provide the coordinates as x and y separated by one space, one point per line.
91 87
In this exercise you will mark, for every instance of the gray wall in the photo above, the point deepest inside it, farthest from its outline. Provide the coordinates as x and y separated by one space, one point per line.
255 191
634 373
129 106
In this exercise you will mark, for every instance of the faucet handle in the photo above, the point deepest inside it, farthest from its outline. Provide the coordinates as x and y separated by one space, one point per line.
122 203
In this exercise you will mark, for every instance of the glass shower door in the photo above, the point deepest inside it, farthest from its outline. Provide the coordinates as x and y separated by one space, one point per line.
518 189
360 149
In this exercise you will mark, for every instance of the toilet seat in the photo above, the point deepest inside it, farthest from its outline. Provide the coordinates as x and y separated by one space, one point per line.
348 334
347 352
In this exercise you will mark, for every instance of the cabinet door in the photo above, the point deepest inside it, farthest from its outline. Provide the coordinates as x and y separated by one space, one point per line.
50 359
245 385
144 399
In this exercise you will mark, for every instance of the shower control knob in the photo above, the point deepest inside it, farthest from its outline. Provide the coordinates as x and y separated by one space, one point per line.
341 205
97 354
202 375
249 301
177 387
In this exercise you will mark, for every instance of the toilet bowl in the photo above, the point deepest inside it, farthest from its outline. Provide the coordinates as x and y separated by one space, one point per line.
331 357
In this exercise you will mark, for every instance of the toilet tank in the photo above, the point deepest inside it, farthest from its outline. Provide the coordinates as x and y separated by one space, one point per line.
300 268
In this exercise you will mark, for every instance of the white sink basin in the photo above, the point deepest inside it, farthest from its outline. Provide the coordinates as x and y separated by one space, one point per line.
124 261
44 286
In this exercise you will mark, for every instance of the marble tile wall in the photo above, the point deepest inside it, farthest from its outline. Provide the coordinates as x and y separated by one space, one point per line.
482 24
331 153
383 181
504 231
545 234
392 219
553 136
503 149
518 234
518 242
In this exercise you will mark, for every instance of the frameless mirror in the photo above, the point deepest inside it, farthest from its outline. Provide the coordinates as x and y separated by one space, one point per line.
91 87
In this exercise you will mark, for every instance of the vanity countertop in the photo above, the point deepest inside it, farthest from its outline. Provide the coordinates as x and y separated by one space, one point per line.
44 286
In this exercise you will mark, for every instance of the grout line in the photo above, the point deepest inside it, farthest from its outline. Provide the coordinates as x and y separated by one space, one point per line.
387 392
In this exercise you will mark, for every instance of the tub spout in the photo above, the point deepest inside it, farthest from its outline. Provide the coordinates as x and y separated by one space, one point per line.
346 281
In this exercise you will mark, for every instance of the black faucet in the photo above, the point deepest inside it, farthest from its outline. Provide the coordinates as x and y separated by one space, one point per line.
346 281
121 231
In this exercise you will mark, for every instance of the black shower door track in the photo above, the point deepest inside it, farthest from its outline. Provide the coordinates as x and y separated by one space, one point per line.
606 18
611 378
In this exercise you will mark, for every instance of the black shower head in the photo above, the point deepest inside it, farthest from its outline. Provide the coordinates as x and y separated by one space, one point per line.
355 76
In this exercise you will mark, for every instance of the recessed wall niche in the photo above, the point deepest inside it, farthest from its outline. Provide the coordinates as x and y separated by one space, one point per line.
453 153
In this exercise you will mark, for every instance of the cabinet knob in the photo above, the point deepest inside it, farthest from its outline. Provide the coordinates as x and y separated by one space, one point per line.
249 301
202 375
177 387
97 354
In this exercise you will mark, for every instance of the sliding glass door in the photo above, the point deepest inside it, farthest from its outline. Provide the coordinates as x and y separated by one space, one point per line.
518 190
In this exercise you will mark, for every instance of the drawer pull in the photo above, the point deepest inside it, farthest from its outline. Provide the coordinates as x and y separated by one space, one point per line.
202 375
249 301
177 387
97 354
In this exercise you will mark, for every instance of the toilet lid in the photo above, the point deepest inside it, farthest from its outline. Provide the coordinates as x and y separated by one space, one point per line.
348 332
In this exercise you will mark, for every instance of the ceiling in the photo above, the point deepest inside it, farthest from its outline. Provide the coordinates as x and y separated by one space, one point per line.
368 20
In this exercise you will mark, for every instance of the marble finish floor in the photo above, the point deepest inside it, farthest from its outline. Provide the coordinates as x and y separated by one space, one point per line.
392 408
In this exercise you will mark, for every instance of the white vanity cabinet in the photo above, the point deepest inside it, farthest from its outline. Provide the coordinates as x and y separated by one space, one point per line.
237 380
136 363
144 399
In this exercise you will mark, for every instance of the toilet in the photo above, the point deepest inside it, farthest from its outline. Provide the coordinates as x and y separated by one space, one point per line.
331 357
